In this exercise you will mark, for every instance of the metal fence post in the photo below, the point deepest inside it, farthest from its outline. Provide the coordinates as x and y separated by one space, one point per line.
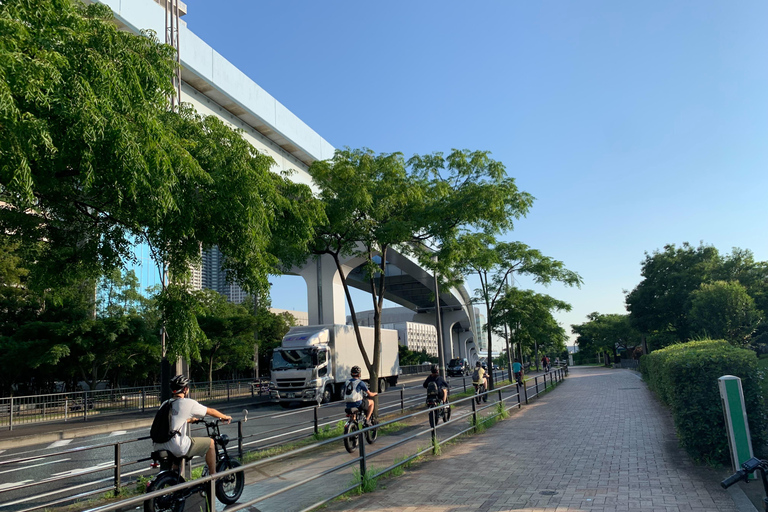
85 406
315 411
227 391
434 419
117 469
545 382
500 399
361 442
10 415
143 399
525 391
464 381
402 398
519 404
66 407
240 439
536 383
474 414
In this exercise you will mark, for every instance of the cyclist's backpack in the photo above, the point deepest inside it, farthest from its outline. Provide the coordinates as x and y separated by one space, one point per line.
432 388
476 375
351 393
161 432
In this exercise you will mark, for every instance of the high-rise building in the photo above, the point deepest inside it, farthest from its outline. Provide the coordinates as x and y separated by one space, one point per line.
212 277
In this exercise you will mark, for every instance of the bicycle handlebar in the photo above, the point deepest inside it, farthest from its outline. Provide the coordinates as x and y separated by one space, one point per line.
739 475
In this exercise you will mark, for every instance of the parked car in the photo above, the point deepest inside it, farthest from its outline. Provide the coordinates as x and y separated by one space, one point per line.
458 367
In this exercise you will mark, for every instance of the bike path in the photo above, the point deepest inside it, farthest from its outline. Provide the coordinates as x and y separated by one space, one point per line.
599 442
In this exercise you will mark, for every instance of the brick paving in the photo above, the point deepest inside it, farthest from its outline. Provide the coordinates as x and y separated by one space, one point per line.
600 442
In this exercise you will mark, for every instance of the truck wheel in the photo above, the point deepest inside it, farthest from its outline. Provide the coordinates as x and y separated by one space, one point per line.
382 385
326 396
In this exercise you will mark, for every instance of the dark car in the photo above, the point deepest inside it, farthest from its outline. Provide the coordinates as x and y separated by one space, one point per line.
458 367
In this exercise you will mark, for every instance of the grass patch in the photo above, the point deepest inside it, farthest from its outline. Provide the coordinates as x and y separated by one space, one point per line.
127 491
329 432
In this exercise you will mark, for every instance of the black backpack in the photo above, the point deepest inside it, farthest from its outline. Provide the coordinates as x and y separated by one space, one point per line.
432 388
476 375
161 432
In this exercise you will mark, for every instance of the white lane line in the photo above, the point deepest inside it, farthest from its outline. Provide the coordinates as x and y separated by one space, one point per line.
14 484
60 442
34 465
288 413
82 470
1 451
118 433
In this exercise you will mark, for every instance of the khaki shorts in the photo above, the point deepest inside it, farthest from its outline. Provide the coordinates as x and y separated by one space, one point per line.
199 447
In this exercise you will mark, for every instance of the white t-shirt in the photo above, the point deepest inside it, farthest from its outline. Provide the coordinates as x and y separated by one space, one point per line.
181 410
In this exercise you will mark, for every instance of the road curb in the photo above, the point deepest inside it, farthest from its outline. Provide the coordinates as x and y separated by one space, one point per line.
741 500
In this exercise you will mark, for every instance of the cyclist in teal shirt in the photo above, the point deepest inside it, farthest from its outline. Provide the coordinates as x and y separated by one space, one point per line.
517 369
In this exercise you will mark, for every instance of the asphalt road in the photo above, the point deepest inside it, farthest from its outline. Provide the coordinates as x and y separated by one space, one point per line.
71 467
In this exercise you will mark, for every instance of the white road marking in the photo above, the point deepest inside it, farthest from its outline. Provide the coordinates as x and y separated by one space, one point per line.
83 470
34 465
118 433
289 413
60 442
1 451
14 484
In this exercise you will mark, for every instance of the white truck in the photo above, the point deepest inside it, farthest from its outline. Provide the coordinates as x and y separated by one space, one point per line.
313 362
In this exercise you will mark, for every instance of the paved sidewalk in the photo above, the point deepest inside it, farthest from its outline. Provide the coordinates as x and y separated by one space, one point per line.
599 442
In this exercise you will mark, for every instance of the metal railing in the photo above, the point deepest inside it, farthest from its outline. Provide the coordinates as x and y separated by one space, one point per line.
415 368
115 480
363 457
80 405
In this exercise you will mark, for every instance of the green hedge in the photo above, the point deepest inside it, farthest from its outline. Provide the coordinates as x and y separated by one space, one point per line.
685 377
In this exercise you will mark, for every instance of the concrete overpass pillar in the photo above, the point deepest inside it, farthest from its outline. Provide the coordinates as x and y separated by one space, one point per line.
326 301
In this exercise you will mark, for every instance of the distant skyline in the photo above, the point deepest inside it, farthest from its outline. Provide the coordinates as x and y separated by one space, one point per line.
634 125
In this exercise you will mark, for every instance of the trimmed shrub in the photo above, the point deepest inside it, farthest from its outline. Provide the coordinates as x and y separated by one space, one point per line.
684 377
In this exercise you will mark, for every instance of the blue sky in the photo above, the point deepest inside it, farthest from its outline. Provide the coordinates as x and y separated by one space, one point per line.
634 124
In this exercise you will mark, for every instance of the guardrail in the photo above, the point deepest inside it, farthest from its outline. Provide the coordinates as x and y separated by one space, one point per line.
80 405
415 368
117 466
363 457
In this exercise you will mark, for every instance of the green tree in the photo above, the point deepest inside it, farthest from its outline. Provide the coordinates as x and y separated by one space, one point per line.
607 333
532 325
495 262
229 330
375 203
724 310
660 303
92 160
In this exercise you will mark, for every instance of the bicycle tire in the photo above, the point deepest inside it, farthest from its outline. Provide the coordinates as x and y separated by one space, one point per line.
350 443
166 502
373 434
447 413
230 488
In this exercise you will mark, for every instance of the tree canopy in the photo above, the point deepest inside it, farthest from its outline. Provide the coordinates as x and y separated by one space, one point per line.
93 160
375 203
609 333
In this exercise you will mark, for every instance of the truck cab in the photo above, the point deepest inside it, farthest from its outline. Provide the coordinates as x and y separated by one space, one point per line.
301 367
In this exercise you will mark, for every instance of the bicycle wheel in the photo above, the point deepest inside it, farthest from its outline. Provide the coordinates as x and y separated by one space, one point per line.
447 413
432 419
229 488
350 443
372 434
167 502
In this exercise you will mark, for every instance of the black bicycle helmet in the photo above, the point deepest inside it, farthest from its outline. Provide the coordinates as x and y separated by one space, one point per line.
355 370
434 369
179 382
478 364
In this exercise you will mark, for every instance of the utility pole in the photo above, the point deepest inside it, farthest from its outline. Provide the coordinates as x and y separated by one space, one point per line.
439 326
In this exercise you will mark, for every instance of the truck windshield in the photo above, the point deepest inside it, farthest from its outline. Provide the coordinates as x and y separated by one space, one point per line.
455 362
292 359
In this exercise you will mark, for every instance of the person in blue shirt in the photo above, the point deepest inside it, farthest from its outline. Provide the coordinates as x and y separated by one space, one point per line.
357 394
517 369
